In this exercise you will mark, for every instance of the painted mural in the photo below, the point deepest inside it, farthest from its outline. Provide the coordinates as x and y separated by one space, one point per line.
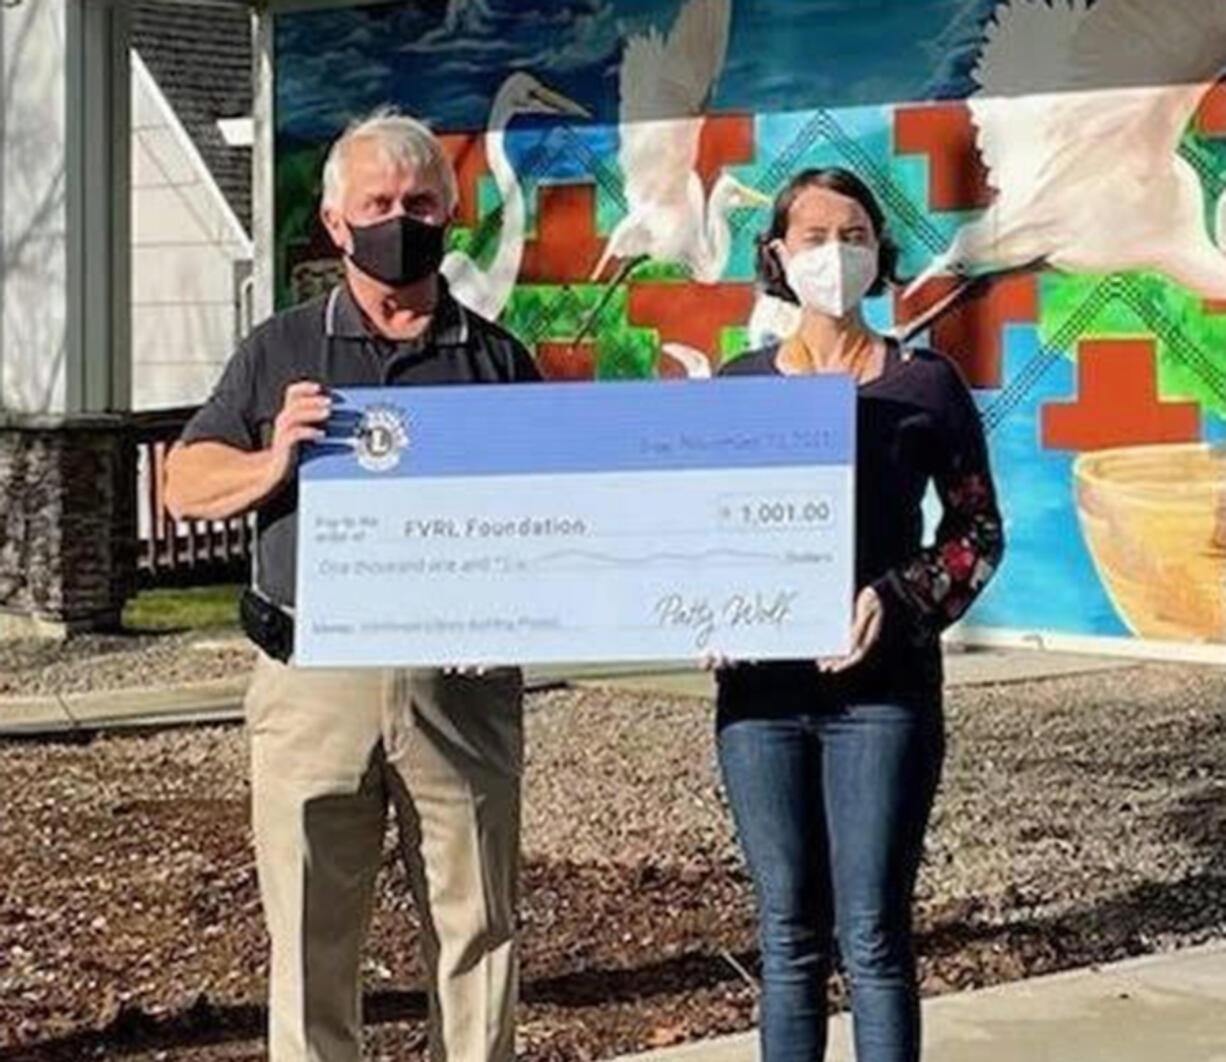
1053 171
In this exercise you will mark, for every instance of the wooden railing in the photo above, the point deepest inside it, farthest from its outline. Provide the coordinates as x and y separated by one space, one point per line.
172 552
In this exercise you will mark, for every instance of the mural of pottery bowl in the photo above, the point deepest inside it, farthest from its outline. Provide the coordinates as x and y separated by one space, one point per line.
1154 518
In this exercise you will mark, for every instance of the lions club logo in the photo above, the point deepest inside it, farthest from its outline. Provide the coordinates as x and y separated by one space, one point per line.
382 436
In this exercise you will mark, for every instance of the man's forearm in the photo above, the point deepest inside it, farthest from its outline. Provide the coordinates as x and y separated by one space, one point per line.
213 481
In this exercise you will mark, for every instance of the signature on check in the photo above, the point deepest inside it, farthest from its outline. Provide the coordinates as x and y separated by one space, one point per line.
705 618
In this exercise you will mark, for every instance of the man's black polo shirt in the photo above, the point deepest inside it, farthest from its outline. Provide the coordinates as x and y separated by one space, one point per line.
328 340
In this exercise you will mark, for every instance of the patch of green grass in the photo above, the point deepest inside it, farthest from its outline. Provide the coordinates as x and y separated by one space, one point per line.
194 608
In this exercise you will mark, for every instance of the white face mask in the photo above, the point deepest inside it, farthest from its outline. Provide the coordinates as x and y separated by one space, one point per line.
832 277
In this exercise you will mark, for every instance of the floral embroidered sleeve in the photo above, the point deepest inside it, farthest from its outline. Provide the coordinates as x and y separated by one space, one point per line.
935 587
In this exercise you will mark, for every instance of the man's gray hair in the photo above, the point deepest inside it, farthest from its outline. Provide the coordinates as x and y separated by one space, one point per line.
404 141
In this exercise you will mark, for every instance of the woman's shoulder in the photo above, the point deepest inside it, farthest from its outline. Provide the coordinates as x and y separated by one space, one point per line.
930 358
759 362
936 381
938 369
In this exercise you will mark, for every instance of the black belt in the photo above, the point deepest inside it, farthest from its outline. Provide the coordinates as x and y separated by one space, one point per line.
267 624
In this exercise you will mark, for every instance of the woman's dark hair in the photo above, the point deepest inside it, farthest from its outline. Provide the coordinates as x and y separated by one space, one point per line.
771 273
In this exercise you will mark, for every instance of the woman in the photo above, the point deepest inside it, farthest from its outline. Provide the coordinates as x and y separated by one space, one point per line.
831 766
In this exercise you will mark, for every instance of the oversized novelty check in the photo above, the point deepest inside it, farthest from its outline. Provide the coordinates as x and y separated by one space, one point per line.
548 523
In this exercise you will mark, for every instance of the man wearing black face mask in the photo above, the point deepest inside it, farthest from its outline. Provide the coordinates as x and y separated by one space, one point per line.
332 749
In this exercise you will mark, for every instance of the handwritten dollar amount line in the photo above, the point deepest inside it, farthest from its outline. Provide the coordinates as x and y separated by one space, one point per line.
703 557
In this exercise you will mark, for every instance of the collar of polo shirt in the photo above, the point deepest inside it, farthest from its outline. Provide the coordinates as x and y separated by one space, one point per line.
448 326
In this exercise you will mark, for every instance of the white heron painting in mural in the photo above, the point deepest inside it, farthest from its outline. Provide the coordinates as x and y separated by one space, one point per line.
1080 111
665 84
487 291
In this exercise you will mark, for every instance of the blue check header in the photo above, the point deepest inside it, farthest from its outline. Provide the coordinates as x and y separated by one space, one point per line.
560 428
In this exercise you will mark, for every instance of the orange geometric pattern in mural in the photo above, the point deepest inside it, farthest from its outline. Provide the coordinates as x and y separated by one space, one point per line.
944 133
566 247
971 333
1211 115
566 361
1118 402
467 154
693 314
727 140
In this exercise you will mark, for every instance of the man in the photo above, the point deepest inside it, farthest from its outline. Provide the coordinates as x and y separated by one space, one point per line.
331 749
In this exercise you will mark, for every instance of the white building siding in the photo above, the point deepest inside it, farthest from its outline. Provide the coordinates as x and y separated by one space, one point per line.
187 247
33 212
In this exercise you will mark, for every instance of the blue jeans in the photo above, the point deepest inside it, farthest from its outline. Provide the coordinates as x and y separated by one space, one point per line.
831 809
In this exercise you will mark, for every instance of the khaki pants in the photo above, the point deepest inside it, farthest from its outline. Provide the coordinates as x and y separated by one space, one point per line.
330 750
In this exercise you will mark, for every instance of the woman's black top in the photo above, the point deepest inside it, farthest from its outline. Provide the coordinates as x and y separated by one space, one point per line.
916 424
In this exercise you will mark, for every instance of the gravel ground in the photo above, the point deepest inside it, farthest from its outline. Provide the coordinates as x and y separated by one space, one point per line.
1080 820
36 668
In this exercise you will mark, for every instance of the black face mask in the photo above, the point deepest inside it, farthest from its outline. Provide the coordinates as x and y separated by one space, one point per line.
398 251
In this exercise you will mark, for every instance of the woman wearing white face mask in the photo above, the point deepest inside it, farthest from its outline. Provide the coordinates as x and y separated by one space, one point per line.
831 766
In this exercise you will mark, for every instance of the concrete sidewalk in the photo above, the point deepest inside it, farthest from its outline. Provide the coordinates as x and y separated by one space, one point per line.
142 706
221 700
1166 1008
